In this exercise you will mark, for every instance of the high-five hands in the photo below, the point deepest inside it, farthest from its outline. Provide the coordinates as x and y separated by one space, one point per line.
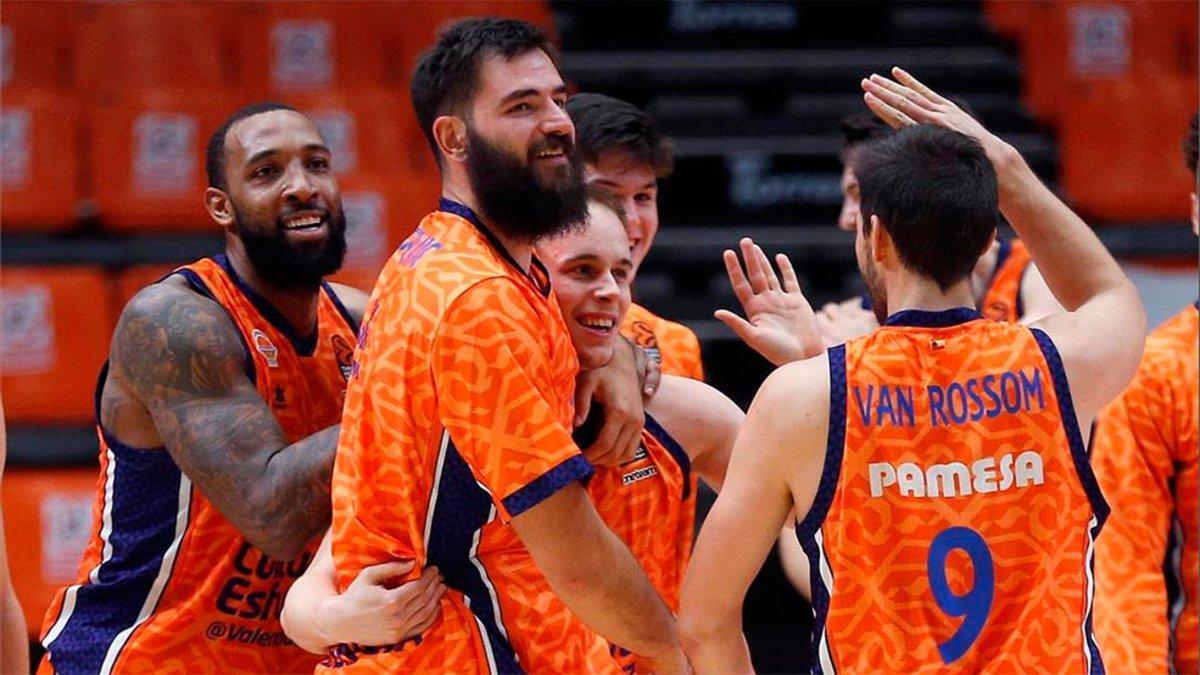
780 323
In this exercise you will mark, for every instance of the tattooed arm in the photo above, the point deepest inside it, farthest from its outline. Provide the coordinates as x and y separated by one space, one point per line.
177 355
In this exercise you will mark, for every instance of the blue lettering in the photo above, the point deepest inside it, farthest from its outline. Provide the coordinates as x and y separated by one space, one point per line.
1005 380
989 390
885 405
864 411
959 415
937 399
976 399
1033 388
905 404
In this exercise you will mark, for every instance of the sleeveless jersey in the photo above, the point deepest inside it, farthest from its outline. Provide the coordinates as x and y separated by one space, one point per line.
167 583
1002 302
673 345
457 419
1146 459
954 524
650 503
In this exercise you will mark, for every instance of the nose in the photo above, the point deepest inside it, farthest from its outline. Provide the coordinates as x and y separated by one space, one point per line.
298 185
557 122
634 227
608 290
848 218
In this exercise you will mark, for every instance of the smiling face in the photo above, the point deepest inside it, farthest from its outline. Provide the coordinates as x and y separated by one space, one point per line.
635 185
591 269
521 157
285 200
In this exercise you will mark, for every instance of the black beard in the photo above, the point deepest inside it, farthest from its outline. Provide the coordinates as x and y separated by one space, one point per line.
281 265
515 201
876 292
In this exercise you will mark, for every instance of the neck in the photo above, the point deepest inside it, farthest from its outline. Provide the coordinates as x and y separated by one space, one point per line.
908 291
520 250
985 268
297 305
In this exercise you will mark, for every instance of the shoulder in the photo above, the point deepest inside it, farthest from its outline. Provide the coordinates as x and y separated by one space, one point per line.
497 307
353 299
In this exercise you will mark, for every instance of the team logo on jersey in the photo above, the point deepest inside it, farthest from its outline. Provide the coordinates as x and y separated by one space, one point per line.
642 472
344 354
263 344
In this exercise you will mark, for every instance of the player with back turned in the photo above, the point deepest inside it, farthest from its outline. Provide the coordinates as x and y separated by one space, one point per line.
456 448
936 466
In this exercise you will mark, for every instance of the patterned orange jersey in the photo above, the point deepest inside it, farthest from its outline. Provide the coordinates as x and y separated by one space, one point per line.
458 418
1002 302
674 345
167 583
1148 561
650 503
954 524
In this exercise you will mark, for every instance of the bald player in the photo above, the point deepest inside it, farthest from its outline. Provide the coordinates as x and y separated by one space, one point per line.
1145 456
973 546
626 155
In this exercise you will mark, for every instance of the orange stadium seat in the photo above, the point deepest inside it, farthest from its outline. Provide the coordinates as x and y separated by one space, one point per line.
36 43
47 520
368 130
57 324
1120 156
40 175
288 47
147 163
127 45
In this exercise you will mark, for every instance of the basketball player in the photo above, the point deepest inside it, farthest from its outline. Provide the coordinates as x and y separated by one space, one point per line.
626 155
456 448
649 502
14 641
937 465
1145 456
216 416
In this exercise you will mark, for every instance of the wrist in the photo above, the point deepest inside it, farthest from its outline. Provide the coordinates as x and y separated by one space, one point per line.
327 619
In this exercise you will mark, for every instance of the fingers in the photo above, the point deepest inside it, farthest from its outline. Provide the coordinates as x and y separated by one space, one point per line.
606 445
768 270
909 96
653 377
737 278
885 111
754 266
425 617
378 574
585 389
905 78
737 324
791 283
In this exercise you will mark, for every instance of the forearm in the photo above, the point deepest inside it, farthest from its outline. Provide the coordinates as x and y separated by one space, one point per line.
716 647
609 591
14 637
294 494
304 612
1071 259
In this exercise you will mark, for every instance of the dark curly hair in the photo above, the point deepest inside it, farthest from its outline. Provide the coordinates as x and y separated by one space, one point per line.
604 124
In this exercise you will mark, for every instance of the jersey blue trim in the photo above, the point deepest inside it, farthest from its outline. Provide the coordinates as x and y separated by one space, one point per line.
677 453
304 345
939 319
145 504
820 602
460 509
197 283
834 445
574 468
341 308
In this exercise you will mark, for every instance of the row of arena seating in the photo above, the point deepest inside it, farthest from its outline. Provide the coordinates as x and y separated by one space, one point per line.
1111 77
108 106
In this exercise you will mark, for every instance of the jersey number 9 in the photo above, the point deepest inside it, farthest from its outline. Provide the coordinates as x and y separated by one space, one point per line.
975 604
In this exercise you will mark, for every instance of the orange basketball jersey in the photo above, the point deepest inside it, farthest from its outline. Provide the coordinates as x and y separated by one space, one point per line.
1146 459
1002 302
673 345
167 583
458 418
650 503
954 524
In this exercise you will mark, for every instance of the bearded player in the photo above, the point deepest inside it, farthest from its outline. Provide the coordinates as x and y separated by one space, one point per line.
971 548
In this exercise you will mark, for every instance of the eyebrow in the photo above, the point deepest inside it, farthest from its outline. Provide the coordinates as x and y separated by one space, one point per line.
269 152
530 91
652 185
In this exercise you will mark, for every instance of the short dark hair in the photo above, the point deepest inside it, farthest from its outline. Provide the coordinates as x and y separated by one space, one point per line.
605 124
935 192
214 160
447 74
1190 143
607 200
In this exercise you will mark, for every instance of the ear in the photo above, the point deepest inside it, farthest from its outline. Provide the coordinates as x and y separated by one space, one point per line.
881 243
450 133
219 207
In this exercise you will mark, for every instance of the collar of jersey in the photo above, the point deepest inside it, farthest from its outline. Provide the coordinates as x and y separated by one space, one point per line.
304 345
538 275
926 319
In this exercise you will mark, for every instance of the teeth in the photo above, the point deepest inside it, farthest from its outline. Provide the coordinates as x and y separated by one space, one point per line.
603 324
550 153
309 221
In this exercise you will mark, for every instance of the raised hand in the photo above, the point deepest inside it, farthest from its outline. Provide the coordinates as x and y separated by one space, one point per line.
780 323
906 101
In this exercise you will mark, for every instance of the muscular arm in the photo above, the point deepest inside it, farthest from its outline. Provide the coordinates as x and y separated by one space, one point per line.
702 420
179 356
1036 298
605 587
777 455
14 640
